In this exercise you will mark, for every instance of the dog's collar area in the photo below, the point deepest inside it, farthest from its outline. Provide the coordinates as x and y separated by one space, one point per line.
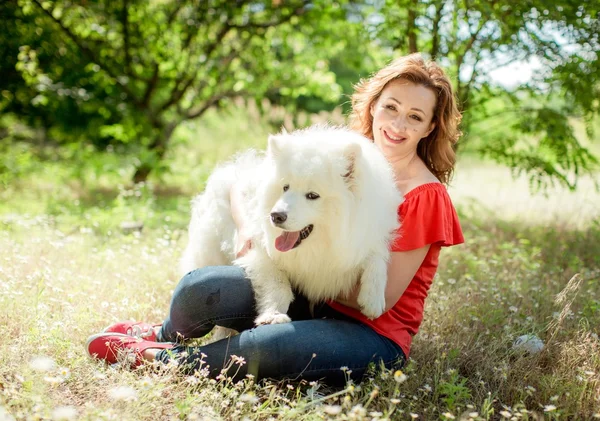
304 233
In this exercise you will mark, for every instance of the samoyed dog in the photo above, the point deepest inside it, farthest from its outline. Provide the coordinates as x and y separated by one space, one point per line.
321 205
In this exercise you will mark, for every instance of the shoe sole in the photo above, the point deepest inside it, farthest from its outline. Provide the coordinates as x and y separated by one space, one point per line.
98 335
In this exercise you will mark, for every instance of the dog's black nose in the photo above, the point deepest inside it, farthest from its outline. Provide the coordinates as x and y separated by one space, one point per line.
278 217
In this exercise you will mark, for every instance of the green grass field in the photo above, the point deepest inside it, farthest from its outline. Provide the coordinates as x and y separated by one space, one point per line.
531 265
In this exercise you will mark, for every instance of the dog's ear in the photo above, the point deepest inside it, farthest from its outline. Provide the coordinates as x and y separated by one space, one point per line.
352 153
274 145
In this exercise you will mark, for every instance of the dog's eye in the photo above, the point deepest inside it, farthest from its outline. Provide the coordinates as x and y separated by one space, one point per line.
286 187
312 196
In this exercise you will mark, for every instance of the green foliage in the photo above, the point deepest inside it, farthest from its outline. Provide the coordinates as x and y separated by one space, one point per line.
473 38
130 72
553 153
127 73
454 391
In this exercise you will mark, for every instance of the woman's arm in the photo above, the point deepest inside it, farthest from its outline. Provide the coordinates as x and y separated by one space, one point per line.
243 239
402 267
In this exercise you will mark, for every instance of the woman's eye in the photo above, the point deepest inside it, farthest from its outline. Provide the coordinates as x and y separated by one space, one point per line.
312 196
286 187
391 107
416 117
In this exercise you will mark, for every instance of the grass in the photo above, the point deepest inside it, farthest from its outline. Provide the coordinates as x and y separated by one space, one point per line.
531 265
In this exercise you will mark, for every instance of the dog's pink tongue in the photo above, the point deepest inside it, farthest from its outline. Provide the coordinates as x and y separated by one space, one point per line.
286 241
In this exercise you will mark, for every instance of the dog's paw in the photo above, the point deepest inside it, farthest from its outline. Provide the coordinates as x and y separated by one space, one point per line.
372 308
272 318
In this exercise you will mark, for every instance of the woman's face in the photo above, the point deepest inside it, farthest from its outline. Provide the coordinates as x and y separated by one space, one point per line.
402 117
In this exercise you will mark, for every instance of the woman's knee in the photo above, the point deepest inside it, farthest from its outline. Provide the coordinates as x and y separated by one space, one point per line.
205 284
205 295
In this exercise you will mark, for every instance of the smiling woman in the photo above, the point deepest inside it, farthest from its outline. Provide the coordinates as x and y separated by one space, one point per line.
399 126
408 111
411 89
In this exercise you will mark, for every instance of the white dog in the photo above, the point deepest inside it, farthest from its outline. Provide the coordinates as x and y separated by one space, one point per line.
322 208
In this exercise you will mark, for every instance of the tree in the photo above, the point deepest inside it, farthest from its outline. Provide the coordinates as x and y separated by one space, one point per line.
473 37
134 70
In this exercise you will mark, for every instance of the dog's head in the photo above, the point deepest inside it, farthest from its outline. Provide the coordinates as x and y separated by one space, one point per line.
311 184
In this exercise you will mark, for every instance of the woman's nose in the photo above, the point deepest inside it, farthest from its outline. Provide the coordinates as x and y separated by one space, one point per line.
399 123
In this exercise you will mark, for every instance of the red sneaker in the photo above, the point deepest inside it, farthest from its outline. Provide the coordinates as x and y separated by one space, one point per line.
132 328
118 347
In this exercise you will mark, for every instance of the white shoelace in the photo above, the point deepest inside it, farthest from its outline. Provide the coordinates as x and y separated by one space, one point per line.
137 332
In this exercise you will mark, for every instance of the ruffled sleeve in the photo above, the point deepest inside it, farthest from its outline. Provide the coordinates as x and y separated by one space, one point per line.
427 216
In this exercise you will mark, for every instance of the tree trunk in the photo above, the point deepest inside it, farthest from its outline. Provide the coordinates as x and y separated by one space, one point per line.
141 173
412 27
435 32
159 146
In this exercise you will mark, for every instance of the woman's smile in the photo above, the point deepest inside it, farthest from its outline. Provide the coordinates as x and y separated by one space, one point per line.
393 138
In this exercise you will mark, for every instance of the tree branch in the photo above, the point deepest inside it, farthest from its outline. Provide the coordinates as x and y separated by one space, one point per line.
125 23
411 27
151 87
435 35
465 98
174 13
178 92
296 12
470 43
212 101
89 53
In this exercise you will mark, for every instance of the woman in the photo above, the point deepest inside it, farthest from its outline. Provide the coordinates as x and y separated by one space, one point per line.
409 111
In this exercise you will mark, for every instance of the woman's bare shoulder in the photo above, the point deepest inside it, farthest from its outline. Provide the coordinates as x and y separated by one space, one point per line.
425 177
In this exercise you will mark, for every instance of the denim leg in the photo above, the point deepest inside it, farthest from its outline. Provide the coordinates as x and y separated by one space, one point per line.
213 295
306 349
204 297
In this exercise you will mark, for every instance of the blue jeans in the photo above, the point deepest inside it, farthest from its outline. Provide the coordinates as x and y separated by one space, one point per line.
312 347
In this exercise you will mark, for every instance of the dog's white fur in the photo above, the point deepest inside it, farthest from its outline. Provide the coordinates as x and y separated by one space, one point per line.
354 219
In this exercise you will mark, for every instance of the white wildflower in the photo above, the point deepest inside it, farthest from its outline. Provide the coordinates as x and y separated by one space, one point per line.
249 397
357 412
549 408
238 360
64 372
400 377
66 413
145 382
99 376
123 393
332 409
42 364
4 415
53 379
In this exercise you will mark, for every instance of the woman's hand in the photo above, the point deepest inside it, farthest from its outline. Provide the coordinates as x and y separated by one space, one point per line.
402 267
350 299
244 243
